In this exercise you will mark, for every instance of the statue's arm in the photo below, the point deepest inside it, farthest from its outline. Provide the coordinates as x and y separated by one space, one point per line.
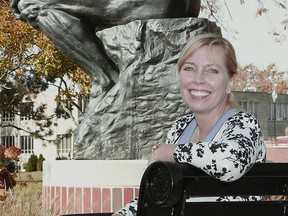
107 12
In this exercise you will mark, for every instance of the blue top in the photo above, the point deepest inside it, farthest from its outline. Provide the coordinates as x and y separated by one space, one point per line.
190 129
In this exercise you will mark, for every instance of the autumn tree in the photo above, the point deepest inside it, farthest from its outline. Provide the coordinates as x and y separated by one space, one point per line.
29 64
251 78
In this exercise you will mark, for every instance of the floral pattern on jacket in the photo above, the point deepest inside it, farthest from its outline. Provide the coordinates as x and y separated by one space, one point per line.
230 154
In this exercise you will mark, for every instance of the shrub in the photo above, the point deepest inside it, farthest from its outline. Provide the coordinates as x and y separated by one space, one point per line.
40 163
32 163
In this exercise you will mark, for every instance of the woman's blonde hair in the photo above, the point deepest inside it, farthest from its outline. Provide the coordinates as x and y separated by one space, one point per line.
210 40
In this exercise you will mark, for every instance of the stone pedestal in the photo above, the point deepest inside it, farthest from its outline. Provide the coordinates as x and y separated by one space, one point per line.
91 186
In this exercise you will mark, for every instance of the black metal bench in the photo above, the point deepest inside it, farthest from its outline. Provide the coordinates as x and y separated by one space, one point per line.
166 186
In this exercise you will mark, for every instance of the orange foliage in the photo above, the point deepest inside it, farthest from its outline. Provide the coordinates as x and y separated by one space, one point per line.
21 46
251 78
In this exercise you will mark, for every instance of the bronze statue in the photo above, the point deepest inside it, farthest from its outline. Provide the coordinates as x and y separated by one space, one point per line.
71 26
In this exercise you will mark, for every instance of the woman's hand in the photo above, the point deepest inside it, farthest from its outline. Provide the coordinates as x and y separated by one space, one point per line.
162 152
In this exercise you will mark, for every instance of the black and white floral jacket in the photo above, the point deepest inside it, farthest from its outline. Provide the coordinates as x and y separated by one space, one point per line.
229 155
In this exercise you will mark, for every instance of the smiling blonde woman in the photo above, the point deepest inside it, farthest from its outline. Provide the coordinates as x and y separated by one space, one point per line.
217 138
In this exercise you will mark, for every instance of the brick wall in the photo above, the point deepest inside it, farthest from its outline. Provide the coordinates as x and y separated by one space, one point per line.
69 200
99 186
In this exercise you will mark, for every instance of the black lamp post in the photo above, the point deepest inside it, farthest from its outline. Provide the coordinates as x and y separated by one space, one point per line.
274 97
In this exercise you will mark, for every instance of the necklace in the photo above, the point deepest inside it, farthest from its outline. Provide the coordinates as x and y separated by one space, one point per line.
198 132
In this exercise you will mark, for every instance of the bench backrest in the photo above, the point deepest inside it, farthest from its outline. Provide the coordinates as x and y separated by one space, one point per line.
165 188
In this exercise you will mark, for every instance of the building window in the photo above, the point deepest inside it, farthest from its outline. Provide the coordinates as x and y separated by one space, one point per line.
25 118
64 143
8 116
251 108
278 111
83 105
7 141
26 110
26 144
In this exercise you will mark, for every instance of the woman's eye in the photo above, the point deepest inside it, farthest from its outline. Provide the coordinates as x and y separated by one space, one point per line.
188 68
214 71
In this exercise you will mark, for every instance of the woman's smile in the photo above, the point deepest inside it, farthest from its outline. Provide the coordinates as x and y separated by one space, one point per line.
199 94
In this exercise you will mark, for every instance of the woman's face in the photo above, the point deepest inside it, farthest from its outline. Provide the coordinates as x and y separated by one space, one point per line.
204 80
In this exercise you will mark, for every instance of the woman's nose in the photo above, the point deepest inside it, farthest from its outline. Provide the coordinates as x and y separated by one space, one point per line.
199 77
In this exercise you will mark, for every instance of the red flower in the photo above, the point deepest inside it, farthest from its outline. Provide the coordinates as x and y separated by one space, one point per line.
12 152
6 180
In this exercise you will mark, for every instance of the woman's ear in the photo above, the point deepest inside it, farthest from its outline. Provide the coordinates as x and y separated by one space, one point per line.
230 84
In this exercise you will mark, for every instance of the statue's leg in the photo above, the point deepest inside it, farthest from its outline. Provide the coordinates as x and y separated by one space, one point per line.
80 44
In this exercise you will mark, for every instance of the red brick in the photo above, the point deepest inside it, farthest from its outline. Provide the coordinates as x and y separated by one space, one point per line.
45 197
128 195
106 200
70 200
136 192
56 201
48 196
64 206
87 200
52 193
116 199
78 200
96 200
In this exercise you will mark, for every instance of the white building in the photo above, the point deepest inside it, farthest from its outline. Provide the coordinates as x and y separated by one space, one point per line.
28 144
